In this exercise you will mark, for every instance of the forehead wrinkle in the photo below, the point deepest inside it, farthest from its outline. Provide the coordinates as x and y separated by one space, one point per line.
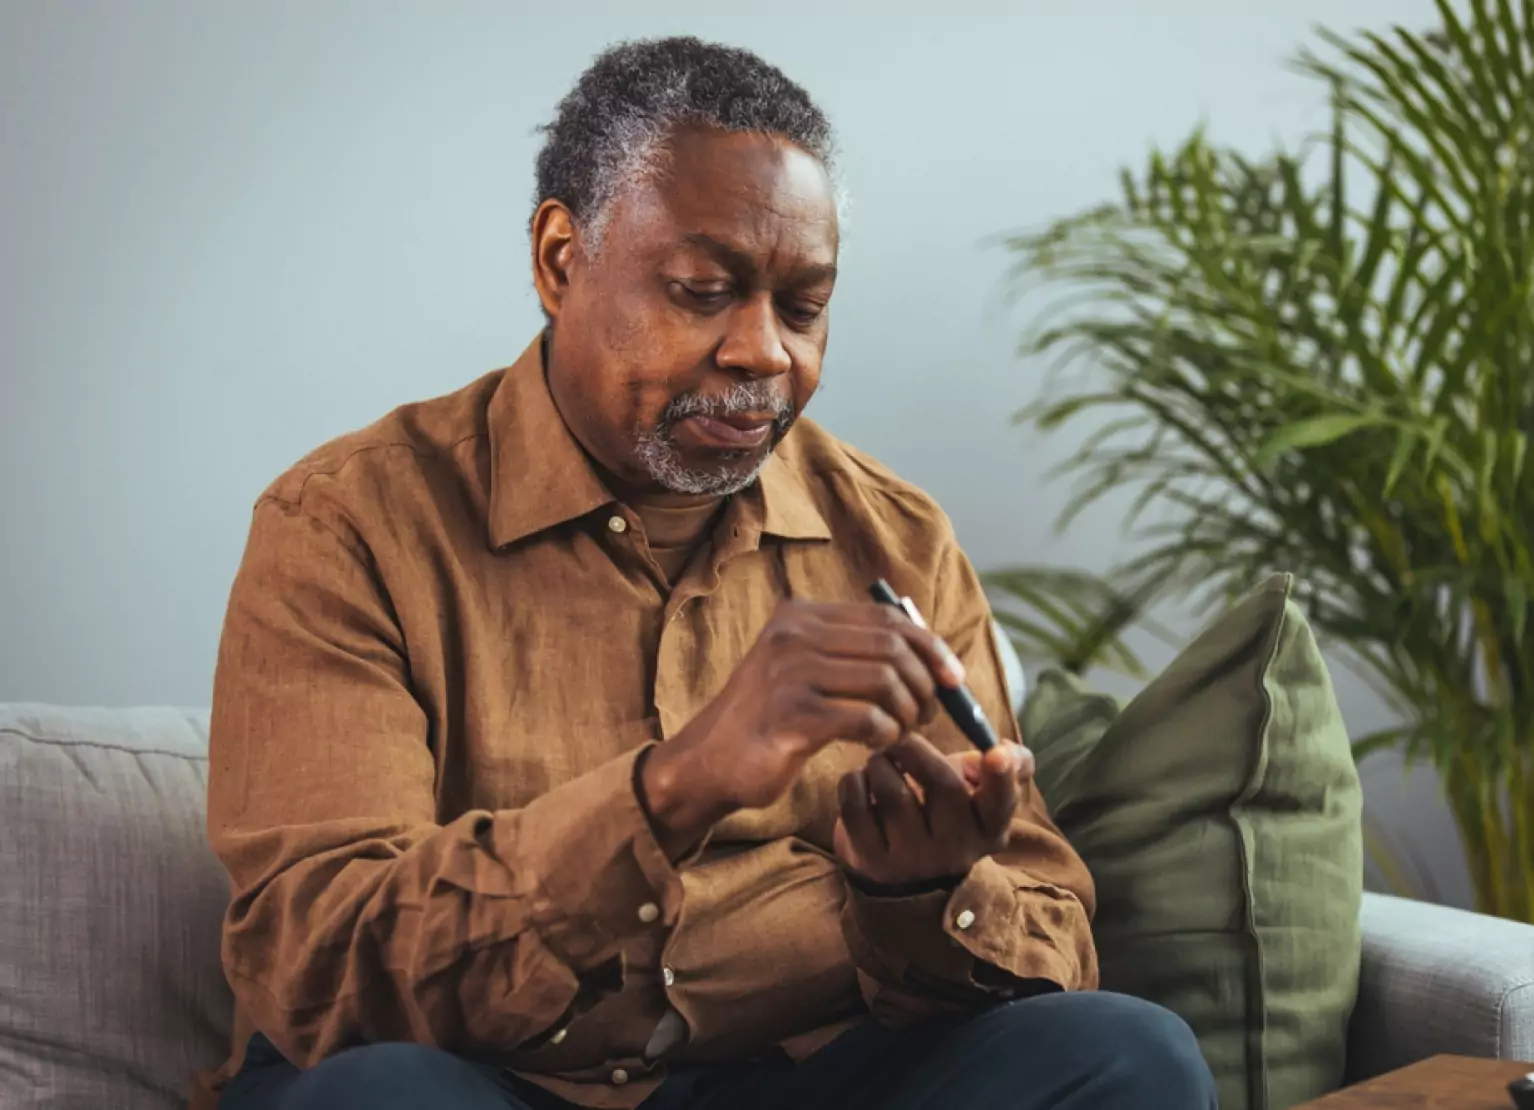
773 186
783 233
763 223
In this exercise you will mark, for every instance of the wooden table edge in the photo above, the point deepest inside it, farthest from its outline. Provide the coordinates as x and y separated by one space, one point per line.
1443 1079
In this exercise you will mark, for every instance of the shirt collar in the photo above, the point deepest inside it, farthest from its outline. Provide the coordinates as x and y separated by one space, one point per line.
541 476
788 510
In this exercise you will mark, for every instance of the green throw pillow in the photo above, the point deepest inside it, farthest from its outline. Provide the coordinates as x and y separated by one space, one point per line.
1219 814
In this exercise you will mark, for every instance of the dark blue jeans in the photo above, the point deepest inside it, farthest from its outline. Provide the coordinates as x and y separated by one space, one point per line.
1093 1051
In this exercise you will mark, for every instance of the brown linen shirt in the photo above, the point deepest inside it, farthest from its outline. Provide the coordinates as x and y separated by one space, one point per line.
447 645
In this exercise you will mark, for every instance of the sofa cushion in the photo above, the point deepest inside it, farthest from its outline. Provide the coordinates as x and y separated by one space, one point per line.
1219 814
111 993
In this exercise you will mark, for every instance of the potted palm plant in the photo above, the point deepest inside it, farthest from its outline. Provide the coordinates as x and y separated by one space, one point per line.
1323 361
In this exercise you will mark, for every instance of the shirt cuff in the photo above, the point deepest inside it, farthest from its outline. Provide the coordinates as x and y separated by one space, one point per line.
601 878
1028 929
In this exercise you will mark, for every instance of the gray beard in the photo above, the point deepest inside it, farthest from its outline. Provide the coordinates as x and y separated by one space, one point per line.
657 452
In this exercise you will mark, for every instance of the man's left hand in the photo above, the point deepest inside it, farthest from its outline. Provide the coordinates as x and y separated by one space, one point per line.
914 815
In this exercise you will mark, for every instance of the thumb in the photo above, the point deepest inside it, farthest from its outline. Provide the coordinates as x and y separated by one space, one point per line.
1026 765
1001 776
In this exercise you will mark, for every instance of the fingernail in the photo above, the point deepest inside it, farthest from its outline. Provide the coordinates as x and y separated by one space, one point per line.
1019 755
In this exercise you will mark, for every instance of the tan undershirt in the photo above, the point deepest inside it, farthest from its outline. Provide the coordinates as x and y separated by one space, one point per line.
675 525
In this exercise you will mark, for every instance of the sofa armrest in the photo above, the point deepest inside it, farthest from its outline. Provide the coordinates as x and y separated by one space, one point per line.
1440 980
1011 668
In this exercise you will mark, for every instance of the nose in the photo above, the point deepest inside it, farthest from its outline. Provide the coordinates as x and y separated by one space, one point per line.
753 341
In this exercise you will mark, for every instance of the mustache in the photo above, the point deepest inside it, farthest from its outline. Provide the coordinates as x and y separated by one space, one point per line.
742 397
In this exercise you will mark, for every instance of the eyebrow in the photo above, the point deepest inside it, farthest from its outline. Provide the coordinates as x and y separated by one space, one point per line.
740 261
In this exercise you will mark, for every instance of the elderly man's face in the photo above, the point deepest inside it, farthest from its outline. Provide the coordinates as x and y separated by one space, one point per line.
684 349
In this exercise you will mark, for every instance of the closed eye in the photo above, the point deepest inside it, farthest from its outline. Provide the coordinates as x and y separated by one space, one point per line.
705 298
802 313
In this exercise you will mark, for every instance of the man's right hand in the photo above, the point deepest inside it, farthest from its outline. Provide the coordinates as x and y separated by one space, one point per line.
817 673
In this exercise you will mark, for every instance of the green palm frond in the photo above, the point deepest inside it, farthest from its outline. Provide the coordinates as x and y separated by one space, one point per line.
1072 619
1322 361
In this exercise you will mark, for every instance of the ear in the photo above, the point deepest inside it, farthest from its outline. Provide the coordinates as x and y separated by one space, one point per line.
555 247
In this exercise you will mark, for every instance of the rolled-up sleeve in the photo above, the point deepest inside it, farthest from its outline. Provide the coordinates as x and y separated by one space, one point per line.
356 917
1021 919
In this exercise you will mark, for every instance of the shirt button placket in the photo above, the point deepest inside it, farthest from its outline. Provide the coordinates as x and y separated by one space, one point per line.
676 658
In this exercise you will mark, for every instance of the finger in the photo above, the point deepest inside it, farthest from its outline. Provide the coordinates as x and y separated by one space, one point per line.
934 653
843 848
858 817
878 683
967 763
826 719
915 755
900 816
996 796
945 797
890 648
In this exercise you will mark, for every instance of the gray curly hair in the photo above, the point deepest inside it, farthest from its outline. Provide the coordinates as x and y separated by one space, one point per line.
610 130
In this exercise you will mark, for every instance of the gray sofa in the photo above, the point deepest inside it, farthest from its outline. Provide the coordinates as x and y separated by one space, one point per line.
110 989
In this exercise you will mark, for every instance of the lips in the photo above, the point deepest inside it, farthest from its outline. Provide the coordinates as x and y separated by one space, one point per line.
731 433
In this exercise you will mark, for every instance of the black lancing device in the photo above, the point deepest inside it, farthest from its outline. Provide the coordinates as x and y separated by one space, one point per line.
957 700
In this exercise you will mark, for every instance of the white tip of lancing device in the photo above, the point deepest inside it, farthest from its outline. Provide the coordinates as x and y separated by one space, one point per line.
911 611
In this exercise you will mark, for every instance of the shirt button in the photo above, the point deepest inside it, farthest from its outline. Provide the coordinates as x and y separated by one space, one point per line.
559 1037
620 1077
668 976
965 919
617 524
649 913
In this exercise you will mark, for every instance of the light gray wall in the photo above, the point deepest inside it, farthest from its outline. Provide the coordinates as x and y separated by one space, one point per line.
231 231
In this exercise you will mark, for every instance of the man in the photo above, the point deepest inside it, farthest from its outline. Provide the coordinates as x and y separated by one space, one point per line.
558 757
